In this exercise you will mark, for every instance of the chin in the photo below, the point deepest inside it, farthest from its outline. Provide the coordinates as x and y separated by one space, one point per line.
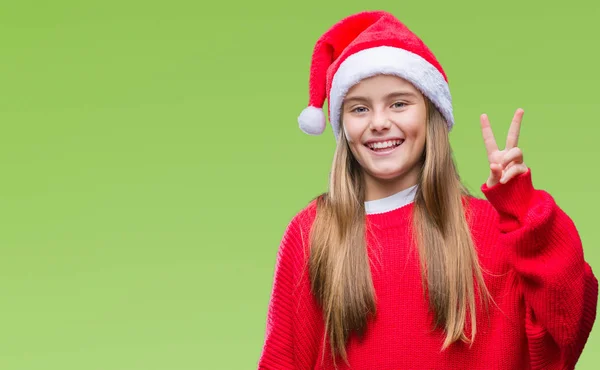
386 175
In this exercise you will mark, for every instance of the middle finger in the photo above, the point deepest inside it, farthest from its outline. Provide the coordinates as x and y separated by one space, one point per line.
513 155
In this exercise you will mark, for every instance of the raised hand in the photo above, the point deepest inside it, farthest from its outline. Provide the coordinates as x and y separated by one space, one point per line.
507 163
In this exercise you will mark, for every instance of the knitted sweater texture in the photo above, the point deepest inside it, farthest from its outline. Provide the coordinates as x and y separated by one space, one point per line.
545 293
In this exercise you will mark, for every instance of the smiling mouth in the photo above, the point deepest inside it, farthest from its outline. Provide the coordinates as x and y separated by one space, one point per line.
384 146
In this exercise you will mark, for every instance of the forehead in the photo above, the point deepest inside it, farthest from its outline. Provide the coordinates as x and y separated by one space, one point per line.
382 84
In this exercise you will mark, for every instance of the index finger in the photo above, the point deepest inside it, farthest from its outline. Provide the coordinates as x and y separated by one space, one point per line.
488 135
512 140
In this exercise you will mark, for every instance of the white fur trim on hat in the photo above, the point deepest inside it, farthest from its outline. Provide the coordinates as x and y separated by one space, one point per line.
393 61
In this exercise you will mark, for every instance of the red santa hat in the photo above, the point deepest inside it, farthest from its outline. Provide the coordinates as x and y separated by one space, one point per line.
364 45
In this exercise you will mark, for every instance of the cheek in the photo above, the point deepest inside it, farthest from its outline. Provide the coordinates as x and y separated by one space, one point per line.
419 140
352 131
415 129
347 134
354 139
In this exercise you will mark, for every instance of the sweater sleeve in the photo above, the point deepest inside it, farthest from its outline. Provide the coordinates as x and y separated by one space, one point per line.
558 286
278 347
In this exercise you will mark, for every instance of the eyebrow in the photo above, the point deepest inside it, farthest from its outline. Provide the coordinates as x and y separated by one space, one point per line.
395 94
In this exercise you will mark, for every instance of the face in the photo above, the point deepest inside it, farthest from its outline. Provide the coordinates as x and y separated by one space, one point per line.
384 120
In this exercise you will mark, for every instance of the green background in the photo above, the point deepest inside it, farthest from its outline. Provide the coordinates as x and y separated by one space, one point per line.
151 159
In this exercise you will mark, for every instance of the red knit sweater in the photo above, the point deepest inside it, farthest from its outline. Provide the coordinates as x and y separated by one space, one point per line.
534 267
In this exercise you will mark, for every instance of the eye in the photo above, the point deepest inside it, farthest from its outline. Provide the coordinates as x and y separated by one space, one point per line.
358 110
399 104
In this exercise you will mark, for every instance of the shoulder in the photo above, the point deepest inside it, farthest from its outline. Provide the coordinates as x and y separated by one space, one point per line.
476 204
297 232
294 250
305 217
480 212
483 221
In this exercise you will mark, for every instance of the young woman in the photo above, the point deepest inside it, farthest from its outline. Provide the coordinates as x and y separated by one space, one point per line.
397 266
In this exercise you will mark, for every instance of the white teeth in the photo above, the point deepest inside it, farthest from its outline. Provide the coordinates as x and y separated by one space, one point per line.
384 144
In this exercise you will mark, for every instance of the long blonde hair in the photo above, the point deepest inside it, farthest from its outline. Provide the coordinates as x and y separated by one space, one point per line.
339 263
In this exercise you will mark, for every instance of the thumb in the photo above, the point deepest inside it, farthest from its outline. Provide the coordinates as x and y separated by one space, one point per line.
495 175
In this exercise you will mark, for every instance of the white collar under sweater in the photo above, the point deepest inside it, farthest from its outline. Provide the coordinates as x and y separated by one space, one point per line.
392 202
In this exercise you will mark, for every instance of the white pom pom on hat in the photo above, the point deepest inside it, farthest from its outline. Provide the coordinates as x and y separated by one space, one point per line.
312 120
363 45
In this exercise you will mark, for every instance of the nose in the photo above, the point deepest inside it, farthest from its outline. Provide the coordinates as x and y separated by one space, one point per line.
380 121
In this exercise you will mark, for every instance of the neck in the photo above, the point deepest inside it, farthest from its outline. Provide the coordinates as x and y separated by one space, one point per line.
392 202
376 188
